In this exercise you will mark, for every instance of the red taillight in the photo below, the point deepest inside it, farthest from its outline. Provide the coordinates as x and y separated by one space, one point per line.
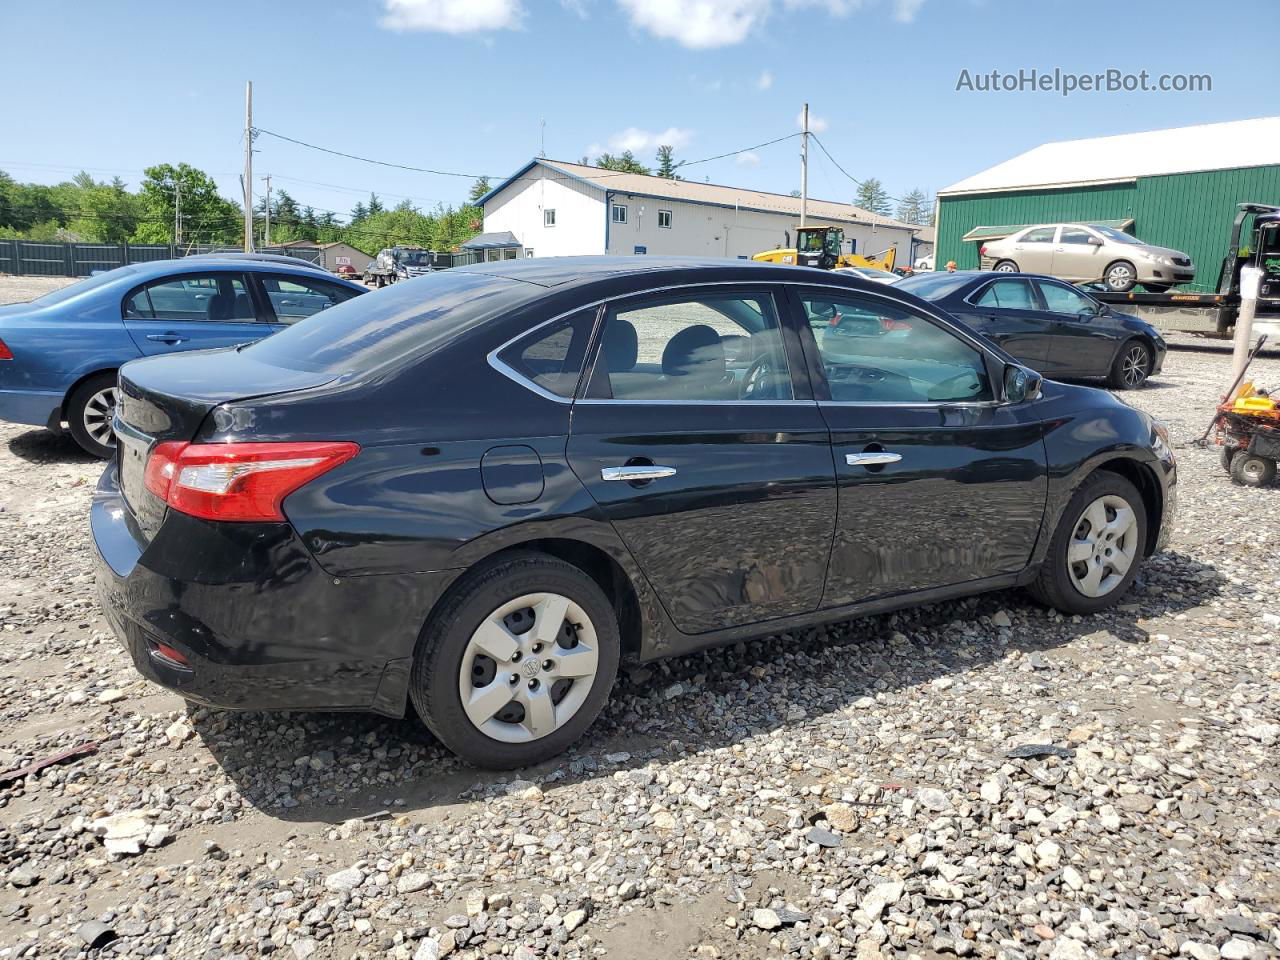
162 651
5 352
238 481
982 251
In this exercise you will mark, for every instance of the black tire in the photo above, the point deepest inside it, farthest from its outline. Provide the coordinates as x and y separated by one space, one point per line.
434 684
1251 470
1225 455
1131 366
1003 265
84 412
1156 287
1117 284
1054 586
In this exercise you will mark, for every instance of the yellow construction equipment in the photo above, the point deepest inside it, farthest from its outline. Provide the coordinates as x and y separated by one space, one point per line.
822 247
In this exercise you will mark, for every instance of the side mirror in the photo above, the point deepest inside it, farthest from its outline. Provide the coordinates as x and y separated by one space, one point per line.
1020 384
1094 242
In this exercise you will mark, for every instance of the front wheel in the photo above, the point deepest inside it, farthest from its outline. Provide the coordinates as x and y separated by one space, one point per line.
1251 470
1225 455
89 412
1131 366
1120 277
1097 548
1005 266
517 663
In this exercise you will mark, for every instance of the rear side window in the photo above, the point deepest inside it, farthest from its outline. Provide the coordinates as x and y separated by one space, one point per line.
1039 235
214 297
407 320
294 298
1008 295
551 356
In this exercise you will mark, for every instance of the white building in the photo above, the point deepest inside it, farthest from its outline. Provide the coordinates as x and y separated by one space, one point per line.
557 209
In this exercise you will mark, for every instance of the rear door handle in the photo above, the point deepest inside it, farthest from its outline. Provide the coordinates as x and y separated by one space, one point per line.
651 471
871 459
169 338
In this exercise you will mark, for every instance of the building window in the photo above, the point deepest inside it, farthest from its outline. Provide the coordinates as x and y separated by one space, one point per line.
510 254
528 251
664 219
548 218
640 251
619 213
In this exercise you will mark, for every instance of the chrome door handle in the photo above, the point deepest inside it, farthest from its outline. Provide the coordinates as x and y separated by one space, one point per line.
170 338
872 459
646 472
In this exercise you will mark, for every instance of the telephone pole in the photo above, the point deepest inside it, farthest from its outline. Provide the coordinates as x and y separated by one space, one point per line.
177 212
804 163
248 167
266 232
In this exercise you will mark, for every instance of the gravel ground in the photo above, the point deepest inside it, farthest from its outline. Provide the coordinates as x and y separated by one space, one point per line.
976 778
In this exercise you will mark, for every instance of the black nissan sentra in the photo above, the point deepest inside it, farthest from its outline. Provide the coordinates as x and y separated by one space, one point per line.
474 493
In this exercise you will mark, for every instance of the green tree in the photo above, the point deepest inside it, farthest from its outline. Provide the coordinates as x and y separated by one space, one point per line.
375 205
872 196
207 217
914 208
667 164
478 190
625 162
358 212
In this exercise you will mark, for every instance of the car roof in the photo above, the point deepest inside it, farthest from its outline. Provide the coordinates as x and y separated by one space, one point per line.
151 269
558 271
257 258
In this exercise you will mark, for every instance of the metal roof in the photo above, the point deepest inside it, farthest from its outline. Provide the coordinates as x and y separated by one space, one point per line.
692 191
996 233
487 241
1116 159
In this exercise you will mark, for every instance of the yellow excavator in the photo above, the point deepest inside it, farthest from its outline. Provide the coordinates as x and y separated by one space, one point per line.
822 247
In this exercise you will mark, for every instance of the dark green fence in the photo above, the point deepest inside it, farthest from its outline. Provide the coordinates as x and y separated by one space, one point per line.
23 257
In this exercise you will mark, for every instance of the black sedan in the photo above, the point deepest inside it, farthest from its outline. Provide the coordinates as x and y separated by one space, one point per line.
1051 326
476 492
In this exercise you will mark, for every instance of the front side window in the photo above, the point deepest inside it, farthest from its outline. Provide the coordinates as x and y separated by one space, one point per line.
548 218
296 298
877 352
1008 295
1062 299
1039 235
664 219
551 356
714 347
216 297
1076 235
619 213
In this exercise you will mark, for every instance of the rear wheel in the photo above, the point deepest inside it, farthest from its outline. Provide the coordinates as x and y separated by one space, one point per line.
1097 549
89 412
1156 287
517 663
1005 266
1120 276
1252 470
1131 366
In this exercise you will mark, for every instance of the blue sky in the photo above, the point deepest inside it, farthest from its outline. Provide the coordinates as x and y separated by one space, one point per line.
463 85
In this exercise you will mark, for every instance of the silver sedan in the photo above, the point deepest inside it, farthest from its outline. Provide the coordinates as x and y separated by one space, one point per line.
1082 252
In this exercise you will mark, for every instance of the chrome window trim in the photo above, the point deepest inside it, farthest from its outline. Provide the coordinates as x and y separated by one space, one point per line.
496 362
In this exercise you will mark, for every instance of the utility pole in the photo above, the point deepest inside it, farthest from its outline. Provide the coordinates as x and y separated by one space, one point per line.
266 232
542 152
248 167
804 163
177 212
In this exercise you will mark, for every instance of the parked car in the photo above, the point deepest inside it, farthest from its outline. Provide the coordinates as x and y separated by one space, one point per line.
479 490
346 271
924 264
59 354
1084 251
1049 325
870 273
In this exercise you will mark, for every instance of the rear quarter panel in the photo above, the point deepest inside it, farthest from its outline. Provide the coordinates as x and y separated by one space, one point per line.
56 346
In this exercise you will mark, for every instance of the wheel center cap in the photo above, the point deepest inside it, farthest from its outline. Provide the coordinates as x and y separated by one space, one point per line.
531 668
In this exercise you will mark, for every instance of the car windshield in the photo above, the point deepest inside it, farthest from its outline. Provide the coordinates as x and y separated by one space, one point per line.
82 286
932 286
1118 236
415 258
408 319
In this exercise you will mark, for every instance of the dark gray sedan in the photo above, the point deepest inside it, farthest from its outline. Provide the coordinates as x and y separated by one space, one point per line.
1051 326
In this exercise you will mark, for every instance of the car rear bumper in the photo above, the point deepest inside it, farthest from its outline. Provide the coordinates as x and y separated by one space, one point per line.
260 624
35 407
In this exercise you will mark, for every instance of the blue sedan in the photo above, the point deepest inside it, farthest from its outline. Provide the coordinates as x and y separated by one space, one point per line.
59 354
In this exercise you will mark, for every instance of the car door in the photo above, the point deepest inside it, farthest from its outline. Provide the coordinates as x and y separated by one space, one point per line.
1075 255
699 438
939 483
192 311
1007 311
1085 340
292 297
1033 251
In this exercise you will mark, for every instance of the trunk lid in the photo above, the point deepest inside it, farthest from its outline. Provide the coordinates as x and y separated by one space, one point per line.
169 398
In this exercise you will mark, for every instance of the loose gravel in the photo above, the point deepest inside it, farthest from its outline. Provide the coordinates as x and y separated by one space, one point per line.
979 778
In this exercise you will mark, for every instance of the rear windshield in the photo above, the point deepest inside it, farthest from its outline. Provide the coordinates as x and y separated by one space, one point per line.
933 286
406 319
83 286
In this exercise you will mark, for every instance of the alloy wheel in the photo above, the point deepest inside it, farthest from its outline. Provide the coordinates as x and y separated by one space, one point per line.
99 410
1104 545
1134 366
528 668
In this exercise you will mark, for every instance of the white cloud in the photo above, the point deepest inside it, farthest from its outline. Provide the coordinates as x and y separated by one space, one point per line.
642 142
765 80
452 16
747 159
698 24
817 124
904 11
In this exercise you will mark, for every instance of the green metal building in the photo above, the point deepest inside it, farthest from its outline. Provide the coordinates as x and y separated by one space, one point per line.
1175 188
